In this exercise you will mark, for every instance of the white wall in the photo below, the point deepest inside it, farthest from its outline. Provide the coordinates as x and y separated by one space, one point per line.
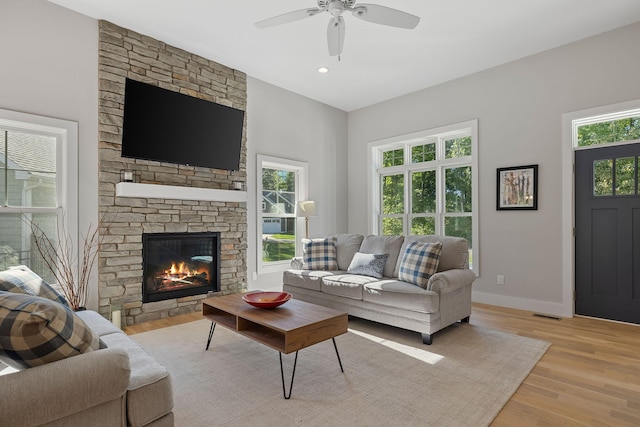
286 125
519 108
49 67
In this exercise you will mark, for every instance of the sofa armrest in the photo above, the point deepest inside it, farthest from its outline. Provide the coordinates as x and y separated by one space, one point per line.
49 392
451 280
296 263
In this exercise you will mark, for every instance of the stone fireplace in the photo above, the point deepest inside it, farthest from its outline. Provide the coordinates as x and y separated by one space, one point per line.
166 198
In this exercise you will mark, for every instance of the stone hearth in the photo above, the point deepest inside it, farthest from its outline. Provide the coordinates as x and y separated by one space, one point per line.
124 53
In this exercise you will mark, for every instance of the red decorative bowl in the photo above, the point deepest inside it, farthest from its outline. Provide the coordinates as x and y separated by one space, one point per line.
266 299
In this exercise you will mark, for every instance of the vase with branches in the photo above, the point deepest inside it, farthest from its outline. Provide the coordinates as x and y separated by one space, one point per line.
71 268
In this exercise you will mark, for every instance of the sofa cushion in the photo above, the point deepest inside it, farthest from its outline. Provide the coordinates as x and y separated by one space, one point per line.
454 254
346 247
97 323
384 245
419 263
35 331
149 394
401 295
307 279
319 254
368 264
20 279
346 285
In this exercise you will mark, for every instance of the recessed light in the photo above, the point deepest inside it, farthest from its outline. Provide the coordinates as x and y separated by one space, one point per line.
323 70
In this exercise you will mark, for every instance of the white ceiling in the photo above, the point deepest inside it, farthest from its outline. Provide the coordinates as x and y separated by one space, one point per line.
454 38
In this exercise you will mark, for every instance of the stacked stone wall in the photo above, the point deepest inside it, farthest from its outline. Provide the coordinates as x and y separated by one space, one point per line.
124 53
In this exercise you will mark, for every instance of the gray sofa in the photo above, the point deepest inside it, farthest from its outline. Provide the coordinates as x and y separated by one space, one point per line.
446 299
120 385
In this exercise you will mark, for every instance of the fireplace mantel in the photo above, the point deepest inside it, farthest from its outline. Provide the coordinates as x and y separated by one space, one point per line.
155 191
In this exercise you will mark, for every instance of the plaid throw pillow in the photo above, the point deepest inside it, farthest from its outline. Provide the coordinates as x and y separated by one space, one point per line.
319 254
419 263
35 331
21 279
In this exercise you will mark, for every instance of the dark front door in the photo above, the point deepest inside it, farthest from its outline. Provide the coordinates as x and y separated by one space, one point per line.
608 233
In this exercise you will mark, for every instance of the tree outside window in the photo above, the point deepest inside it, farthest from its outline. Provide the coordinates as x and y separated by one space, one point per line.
283 184
426 185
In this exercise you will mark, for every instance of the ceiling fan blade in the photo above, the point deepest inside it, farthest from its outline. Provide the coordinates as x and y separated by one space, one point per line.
335 35
385 16
285 18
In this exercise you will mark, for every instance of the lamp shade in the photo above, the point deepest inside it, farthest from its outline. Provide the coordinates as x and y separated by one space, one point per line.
306 208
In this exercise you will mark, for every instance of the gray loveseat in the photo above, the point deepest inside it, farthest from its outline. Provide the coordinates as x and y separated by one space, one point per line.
108 380
444 300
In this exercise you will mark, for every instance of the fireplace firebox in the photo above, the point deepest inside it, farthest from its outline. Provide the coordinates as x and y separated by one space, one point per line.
176 265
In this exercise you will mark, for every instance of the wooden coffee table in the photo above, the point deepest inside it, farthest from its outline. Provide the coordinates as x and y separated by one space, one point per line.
290 327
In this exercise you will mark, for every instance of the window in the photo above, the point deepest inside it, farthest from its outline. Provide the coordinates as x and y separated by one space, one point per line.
281 184
38 163
426 183
615 176
608 128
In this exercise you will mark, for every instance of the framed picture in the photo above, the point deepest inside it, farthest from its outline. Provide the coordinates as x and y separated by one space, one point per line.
518 188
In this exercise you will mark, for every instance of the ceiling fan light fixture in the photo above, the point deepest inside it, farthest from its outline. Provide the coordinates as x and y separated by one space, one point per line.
335 32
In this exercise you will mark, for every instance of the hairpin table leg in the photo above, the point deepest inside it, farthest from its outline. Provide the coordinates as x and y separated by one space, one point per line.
337 354
293 373
213 327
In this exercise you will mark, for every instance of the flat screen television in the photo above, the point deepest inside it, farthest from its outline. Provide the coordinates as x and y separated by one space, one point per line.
171 127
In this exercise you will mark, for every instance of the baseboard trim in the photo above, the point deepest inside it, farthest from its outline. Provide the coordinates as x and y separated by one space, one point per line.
543 307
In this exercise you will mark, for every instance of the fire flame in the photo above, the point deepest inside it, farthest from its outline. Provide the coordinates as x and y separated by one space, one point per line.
181 270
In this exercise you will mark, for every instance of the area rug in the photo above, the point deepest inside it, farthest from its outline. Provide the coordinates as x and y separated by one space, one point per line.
390 378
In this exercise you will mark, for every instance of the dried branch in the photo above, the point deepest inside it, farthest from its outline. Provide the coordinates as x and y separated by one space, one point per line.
71 270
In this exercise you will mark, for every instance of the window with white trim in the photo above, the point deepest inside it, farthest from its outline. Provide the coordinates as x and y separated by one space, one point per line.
616 176
612 128
281 184
426 183
38 184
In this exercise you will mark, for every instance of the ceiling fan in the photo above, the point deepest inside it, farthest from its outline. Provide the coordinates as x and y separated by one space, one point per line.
335 31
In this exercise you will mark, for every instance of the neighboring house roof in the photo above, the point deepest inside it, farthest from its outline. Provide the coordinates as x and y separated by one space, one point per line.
31 152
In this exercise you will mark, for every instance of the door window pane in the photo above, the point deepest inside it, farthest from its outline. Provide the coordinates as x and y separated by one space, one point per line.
458 189
423 192
392 226
603 177
423 225
625 175
457 147
393 158
393 194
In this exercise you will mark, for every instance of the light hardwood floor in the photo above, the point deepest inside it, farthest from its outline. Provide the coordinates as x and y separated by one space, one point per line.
590 376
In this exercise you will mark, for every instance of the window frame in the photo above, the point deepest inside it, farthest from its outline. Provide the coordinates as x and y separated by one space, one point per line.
66 134
601 118
440 165
301 173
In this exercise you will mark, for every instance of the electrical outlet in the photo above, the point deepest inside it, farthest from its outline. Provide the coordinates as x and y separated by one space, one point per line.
254 276
500 279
